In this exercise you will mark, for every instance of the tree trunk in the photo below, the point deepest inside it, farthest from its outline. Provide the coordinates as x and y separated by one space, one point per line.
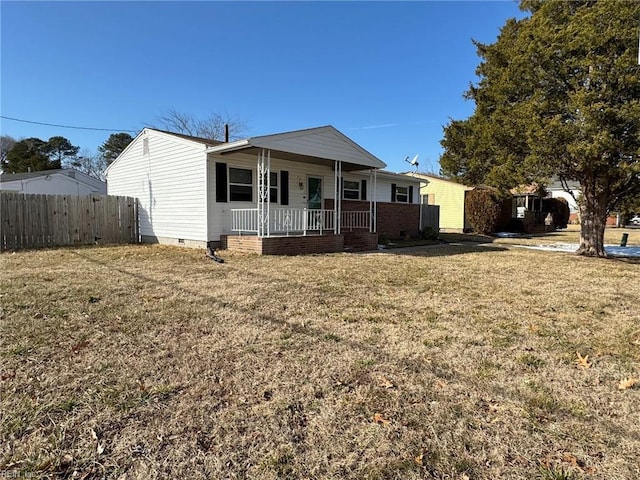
593 218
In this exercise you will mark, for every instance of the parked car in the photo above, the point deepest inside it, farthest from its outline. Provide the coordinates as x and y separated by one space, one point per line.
635 220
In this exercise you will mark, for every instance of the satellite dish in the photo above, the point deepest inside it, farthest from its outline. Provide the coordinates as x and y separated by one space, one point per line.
413 161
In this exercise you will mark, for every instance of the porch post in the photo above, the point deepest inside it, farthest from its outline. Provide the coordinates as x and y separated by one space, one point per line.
374 214
337 201
264 186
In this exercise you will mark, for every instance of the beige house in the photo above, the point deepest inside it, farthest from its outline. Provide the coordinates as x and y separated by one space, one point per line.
449 196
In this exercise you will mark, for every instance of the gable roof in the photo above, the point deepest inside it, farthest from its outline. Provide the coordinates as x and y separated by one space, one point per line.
11 177
320 143
204 141
428 176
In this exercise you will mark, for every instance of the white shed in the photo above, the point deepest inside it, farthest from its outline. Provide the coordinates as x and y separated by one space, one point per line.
65 181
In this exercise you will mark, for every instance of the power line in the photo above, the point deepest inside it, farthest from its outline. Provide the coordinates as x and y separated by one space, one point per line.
68 126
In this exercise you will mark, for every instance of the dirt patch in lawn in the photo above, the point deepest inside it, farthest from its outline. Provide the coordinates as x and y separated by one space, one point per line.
154 362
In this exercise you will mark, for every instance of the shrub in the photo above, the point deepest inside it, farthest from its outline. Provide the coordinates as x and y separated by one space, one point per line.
559 209
429 233
485 209
383 239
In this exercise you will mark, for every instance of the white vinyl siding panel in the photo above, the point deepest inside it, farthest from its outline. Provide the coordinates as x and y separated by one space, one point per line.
55 184
321 144
383 187
169 183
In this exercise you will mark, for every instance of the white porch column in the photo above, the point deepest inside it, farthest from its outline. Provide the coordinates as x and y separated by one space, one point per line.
337 201
374 210
264 187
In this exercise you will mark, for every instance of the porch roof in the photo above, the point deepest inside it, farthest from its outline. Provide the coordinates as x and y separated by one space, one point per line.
321 145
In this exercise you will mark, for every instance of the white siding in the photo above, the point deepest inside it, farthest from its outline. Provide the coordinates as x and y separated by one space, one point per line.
220 212
169 183
383 185
55 184
322 143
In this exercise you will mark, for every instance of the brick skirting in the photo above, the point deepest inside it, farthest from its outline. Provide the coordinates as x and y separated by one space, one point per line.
291 245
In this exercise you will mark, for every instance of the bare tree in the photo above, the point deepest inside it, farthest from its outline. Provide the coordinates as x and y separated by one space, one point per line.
6 144
211 128
90 163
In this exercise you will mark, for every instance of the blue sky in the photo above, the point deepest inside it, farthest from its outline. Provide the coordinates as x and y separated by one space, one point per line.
387 74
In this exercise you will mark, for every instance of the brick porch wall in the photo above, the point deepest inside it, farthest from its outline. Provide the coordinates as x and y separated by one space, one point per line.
292 245
393 218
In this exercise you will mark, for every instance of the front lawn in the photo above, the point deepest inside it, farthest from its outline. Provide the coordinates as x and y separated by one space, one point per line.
476 362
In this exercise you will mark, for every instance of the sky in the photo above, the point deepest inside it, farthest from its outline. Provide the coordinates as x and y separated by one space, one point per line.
389 75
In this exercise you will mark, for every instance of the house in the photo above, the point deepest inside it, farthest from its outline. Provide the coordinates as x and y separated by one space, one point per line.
449 196
304 191
65 181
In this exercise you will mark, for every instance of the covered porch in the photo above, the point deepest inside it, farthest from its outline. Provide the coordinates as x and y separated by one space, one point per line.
302 214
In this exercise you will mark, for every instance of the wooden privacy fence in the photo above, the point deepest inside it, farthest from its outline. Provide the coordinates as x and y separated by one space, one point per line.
34 220
430 216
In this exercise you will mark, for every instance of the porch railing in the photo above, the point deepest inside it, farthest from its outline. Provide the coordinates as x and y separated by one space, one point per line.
356 220
283 221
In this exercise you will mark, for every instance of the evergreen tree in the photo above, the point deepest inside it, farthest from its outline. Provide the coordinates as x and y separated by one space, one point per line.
29 155
113 146
559 95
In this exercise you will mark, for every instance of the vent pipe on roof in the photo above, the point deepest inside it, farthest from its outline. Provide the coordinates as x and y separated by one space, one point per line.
226 133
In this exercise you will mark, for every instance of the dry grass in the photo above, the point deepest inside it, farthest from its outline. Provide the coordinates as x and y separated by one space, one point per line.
154 362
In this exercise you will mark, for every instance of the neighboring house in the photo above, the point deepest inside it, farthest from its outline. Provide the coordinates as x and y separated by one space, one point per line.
449 196
272 194
65 181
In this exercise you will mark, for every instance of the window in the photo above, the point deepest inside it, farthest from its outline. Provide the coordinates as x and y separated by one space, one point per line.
354 189
402 194
240 185
273 188
350 190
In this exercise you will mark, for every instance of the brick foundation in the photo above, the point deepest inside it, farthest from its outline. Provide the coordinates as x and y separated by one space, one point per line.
360 241
292 245
396 220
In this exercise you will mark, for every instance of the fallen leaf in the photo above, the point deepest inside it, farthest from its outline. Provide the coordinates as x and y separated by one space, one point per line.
100 448
79 346
378 418
418 459
93 433
583 362
628 383
385 382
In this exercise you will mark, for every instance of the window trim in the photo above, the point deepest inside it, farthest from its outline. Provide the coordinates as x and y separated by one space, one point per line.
230 184
398 194
358 190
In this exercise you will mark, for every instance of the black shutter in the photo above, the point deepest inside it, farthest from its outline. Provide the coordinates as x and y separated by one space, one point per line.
221 182
410 193
363 189
284 187
393 192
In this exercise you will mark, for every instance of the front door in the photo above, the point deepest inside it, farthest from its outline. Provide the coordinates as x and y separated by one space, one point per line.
314 187
314 203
